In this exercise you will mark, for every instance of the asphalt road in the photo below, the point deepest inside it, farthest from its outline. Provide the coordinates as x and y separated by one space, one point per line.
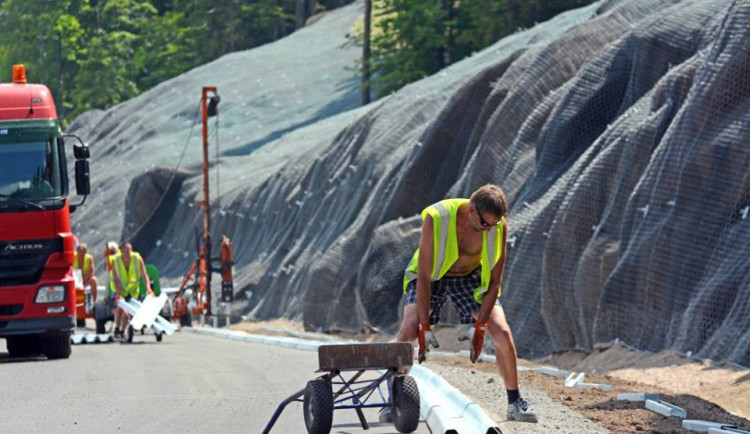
188 383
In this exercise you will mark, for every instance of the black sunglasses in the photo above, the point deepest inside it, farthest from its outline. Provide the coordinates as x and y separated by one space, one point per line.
483 222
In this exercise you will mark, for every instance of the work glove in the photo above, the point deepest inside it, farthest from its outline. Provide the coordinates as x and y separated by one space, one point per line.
426 337
477 341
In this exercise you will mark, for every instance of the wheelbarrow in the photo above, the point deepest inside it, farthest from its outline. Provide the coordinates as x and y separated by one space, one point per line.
342 386
146 314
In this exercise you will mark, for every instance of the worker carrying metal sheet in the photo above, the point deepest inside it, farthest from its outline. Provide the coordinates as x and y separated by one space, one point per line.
128 269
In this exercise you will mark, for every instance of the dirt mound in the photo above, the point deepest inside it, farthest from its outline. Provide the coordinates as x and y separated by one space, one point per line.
722 384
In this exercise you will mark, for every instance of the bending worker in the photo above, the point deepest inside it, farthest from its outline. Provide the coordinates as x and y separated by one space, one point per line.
461 257
85 263
128 269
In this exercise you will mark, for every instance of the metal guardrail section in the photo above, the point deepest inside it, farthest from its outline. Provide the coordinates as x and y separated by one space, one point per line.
665 408
711 427
446 410
90 338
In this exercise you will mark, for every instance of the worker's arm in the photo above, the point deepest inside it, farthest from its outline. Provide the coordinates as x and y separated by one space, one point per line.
91 272
425 336
116 277
488 303
496 278
144 274
424 271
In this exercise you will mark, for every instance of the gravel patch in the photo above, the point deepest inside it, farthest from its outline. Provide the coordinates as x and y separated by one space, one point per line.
487 391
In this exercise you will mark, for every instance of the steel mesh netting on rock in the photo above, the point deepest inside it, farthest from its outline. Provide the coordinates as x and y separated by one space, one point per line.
575 130
618 132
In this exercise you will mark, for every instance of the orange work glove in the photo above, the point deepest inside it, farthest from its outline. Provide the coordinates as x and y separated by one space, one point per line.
426 337
477 341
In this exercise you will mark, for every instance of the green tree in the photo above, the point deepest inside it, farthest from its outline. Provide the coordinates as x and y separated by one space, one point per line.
107 66
46 37
411 43
165 50
97 53
416 38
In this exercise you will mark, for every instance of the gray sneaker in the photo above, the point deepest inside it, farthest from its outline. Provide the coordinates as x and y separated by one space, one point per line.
521 411
386 415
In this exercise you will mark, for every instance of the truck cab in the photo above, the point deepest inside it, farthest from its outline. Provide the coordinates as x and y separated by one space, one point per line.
37 294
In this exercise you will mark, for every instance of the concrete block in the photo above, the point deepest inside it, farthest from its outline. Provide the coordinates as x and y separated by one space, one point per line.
665 408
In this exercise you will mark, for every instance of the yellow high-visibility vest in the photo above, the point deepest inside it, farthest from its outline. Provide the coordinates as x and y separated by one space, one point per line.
445 246
111 272
128 278
86 263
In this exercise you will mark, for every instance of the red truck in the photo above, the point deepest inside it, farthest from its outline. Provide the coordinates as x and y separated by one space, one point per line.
37 294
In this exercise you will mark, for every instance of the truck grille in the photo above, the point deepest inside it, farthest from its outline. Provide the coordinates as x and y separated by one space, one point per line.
22 262
14 309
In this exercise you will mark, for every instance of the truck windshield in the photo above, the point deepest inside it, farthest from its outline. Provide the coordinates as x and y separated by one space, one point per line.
29 171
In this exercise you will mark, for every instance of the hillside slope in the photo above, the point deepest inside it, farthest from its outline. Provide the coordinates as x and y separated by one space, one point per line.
617 131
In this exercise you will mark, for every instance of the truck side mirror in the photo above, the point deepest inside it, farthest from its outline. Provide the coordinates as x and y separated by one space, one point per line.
83 180
81 152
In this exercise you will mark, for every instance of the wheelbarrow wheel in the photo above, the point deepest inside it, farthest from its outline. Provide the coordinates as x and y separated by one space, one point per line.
318 406
159 336
405 404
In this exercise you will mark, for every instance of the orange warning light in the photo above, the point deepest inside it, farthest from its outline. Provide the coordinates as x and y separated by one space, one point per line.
19 73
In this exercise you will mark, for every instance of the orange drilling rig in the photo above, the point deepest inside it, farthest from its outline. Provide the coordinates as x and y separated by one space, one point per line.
204 265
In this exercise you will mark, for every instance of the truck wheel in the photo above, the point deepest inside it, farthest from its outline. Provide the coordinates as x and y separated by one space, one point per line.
22 346
57 346
405 404
318 406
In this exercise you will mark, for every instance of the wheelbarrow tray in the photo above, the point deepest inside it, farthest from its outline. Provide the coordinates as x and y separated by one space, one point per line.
353 357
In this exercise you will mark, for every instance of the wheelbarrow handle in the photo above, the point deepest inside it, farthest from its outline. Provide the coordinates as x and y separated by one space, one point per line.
280 408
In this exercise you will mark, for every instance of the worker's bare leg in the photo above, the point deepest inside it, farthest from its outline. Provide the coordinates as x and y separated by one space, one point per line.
92 284
118 314
505 347
121 319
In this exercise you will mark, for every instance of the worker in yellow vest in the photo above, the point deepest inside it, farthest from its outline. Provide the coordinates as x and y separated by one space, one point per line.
85 262
128 269
461 257
110 252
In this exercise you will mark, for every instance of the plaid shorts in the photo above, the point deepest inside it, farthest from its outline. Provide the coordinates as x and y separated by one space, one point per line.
460 290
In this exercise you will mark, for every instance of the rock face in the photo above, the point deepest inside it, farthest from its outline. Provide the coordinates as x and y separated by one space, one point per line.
618 132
